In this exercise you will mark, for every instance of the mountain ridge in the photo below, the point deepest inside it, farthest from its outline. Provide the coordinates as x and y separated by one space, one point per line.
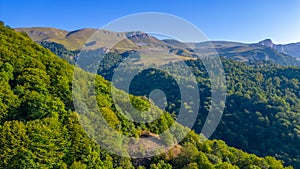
264 50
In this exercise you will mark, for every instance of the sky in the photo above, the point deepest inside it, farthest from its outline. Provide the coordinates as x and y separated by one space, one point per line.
232 20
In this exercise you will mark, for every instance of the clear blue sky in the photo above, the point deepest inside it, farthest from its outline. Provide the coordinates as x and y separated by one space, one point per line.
236 20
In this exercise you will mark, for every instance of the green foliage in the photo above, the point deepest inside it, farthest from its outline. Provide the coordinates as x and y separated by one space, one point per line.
78 165
39 128
261 113
60 51
161 165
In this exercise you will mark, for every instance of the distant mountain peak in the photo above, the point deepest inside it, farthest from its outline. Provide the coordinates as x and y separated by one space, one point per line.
267 42
136 34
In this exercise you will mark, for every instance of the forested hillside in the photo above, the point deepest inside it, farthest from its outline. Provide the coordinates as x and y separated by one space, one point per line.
60 50
40 129
261 113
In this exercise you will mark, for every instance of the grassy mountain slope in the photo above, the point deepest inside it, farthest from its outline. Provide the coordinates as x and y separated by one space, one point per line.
43 33
39 128
72 40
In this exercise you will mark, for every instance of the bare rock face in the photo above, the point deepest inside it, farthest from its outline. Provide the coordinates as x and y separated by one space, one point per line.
137 35
267 42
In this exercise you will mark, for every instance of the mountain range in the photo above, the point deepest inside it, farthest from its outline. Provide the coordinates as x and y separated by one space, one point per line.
264 50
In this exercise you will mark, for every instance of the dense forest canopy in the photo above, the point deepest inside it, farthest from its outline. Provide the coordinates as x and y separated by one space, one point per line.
40 129
261 113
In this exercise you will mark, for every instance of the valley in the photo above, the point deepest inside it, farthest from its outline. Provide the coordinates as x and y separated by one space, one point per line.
261 113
